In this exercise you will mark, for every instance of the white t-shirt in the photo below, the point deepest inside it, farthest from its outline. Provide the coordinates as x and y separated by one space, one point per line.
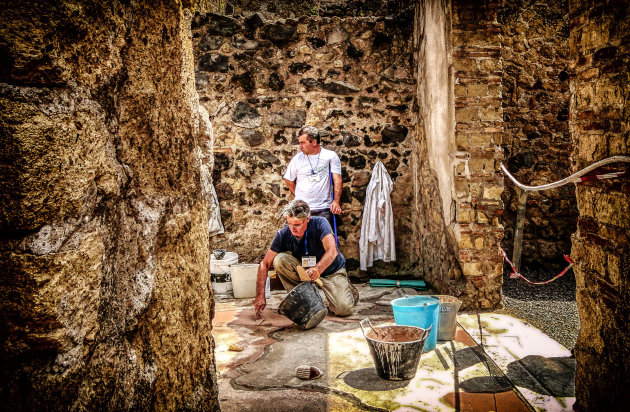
310 173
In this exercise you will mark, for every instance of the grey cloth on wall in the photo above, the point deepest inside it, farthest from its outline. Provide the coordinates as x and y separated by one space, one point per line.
377 229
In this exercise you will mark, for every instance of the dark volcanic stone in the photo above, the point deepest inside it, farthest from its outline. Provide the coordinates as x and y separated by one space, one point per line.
252 137
299 68
214 63
275 82
398 107
221 25
357 162
280 33
351 140
381 40
316 42
359 194
288 118
309 82
245 81
245 114
252 23
279 138
346 195
394 133
222 161
392 164
268 157
337 87
275 189
210 42
352 264
354 53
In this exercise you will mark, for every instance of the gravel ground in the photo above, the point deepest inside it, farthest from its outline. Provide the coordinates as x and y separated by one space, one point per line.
551 308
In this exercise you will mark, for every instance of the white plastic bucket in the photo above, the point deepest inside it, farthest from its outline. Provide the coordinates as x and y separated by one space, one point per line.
221 285
244 279
222 266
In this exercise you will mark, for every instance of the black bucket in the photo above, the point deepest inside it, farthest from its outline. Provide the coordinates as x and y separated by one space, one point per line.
304 306
396 350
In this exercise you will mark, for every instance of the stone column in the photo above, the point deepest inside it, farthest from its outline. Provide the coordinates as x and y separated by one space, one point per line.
105 298
458 182
600 128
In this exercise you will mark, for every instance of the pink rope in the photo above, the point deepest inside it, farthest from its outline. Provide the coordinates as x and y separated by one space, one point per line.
515 273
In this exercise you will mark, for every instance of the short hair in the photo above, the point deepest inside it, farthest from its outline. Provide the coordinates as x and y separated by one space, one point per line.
298 209
311 132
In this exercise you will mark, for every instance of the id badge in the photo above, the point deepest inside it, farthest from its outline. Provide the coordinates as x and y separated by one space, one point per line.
313 178
309 261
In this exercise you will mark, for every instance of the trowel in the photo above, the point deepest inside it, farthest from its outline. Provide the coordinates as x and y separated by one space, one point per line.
305 278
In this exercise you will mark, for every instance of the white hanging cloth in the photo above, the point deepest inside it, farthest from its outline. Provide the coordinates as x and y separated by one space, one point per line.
377 229
215 226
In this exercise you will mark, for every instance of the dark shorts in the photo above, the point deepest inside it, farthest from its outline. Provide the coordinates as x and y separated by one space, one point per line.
326 213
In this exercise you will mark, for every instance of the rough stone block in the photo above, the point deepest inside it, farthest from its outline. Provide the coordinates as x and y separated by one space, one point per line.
461 140
476 90
472 269
491 113
464 242
467 114
481 139
492 192
464 214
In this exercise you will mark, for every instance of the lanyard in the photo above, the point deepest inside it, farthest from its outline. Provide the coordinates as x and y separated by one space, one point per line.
316 164
306 242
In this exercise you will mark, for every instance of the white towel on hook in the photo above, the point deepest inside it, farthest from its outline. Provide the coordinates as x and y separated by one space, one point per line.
377 229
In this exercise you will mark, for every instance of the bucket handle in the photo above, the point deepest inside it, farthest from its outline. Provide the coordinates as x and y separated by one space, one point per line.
369 323
427 331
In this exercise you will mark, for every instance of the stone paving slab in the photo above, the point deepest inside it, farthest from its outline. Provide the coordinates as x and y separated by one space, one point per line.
457 375
541 369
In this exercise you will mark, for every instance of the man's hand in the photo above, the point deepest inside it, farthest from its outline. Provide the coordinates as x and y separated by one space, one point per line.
335 208
313 273
261 279
259 304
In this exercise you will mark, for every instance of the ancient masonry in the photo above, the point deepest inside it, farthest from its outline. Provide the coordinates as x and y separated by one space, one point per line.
262 77
600 127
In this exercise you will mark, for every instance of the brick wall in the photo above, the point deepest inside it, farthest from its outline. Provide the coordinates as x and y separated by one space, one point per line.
478 132
460 203
600 127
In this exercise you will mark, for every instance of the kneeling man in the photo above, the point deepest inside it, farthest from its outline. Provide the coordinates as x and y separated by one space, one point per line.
309 242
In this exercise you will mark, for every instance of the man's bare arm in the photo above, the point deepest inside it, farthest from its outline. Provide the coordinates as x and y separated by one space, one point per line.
291 185
261 280
335 206
329 256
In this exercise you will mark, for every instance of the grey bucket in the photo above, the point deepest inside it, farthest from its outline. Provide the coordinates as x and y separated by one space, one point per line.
447 316
396 360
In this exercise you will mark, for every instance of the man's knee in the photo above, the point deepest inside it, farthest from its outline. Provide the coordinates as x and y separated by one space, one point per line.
283 261
343 309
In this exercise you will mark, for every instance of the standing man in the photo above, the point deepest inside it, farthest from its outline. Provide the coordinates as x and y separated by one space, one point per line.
308 242
308 175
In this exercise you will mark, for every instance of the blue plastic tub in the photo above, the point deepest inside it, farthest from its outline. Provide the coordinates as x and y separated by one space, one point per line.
420 311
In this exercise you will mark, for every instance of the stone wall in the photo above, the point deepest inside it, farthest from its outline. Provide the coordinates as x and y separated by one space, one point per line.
535 53
600 127
105 299
262 75
459 186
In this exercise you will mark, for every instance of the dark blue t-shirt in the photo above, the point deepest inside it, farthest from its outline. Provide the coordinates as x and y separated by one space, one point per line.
316 229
